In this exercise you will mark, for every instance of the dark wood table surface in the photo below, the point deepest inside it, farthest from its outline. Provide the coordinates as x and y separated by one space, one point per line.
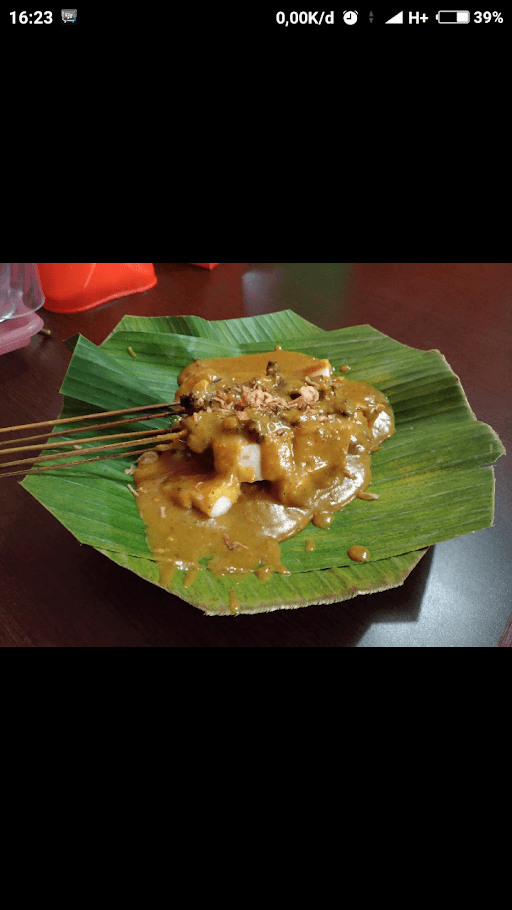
57 593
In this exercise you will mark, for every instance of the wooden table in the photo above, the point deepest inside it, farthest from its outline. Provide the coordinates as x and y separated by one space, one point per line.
57 593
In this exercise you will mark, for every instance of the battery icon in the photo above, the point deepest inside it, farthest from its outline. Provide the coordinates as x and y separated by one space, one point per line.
453 17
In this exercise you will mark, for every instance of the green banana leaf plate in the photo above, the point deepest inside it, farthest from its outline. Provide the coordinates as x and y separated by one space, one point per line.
434 477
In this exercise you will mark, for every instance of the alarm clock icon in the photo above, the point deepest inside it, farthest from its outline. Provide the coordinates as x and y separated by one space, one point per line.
350 17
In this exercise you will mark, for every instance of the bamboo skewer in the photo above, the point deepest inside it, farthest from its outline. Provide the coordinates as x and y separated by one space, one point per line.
162 437
80 442
45 423
39 462
95 426
68 464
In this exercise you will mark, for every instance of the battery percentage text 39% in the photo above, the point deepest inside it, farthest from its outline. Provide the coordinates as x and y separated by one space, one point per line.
487 17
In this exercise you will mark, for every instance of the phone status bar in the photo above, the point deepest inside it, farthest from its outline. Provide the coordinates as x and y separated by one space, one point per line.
422 17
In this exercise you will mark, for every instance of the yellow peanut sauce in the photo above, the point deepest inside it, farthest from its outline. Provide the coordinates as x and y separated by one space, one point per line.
358 553
281 416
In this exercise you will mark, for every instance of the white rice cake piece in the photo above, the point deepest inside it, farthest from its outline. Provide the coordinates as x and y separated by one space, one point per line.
250 459
320 368
215 497
233 455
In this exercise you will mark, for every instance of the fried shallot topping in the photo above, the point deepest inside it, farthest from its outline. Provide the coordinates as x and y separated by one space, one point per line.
267 403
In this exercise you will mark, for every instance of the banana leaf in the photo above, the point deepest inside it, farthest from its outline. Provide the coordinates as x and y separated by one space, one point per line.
434 477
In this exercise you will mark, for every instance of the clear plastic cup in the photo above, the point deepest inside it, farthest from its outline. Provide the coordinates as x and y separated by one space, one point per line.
20 290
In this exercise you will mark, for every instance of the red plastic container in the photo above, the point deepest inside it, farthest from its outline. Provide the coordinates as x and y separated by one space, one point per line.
206 265
70 287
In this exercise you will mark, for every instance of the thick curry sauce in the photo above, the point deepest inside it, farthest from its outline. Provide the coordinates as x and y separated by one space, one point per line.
268 443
